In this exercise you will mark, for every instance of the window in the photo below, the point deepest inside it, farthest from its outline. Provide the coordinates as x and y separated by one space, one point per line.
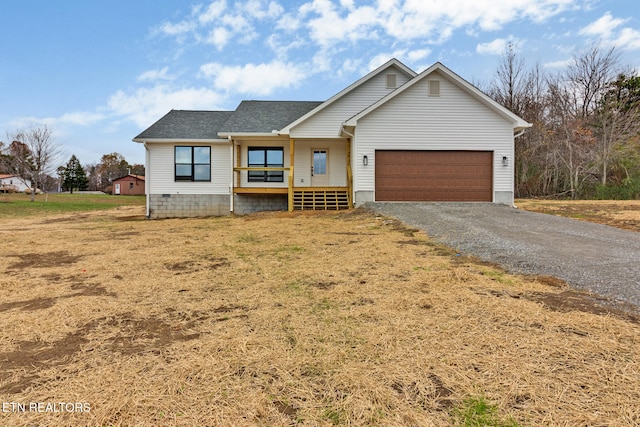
266 157
131 186
391 81
193 163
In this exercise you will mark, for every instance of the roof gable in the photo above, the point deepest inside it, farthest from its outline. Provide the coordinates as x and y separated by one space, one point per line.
518 123
393 63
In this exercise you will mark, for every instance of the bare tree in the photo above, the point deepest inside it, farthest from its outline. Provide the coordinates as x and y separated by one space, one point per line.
32 156
589 74
509 87
524 92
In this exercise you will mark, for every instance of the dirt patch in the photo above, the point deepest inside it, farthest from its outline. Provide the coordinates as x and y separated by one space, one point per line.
66 219
126 218
44 260
571 300
128 336
191 266
41 303
136 336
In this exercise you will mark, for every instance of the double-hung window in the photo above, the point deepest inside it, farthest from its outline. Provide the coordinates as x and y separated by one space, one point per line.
192 163
268 157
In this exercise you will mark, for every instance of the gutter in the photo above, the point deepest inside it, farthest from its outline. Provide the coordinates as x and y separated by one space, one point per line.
246 134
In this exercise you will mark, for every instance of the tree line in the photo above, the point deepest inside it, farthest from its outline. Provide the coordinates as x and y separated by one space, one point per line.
585 138
34 157
97 176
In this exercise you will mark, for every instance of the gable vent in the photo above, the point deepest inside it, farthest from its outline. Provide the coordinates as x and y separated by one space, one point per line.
434 87
391 81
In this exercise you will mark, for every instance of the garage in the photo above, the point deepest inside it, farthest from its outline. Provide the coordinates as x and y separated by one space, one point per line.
452 176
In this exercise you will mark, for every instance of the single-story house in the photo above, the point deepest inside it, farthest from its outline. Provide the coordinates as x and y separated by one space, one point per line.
13 184
393 135
129 185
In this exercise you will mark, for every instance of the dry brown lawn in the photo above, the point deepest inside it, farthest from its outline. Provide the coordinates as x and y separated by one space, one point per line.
284 319
623 214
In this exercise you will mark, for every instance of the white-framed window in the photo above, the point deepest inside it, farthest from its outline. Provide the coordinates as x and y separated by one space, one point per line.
192 163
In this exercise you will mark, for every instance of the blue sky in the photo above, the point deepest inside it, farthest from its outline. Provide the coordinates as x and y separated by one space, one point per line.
98 72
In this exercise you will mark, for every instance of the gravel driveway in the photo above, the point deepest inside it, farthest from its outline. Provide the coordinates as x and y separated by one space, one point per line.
592 257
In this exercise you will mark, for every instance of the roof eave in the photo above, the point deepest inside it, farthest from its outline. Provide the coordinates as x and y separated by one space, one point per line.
180 140
248 134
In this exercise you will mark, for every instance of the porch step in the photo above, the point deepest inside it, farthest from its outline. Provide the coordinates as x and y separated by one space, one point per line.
320 199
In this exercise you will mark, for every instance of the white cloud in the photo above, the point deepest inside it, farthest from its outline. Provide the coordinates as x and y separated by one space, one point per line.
381 59
213 11
78 118
417 55
607 29
219 23
81 118
628 39
153 75
260 79
334 22
495 47
558 64
219 37
146 105
602 27
177 29
256 9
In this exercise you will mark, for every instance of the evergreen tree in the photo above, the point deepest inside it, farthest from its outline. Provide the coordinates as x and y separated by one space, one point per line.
73 175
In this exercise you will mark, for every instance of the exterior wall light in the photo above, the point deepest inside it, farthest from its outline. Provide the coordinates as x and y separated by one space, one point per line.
365 160
505 161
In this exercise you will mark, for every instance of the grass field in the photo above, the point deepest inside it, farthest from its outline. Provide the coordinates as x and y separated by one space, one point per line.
281 319
20 205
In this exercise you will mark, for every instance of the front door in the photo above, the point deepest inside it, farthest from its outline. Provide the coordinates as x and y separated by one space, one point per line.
320 167
117 189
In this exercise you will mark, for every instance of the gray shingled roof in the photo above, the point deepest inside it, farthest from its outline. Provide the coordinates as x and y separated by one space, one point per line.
250 116
186 124
266 116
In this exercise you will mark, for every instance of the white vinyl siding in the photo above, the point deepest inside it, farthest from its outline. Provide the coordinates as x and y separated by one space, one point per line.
327 123
337 161
413 120
161 167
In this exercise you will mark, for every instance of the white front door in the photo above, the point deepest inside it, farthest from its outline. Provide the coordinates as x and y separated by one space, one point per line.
117 189
319 167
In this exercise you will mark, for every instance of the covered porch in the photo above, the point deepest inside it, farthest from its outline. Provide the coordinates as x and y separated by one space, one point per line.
318 175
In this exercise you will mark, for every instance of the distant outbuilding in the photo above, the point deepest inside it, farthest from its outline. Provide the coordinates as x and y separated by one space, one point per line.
129 185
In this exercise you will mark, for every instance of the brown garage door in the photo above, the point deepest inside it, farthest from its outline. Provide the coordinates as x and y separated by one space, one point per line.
434 176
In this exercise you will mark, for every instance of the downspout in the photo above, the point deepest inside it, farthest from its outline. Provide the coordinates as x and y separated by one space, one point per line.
519 134
233 162
147 180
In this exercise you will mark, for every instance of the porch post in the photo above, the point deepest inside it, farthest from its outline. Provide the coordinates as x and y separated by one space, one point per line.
349 174
291 161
